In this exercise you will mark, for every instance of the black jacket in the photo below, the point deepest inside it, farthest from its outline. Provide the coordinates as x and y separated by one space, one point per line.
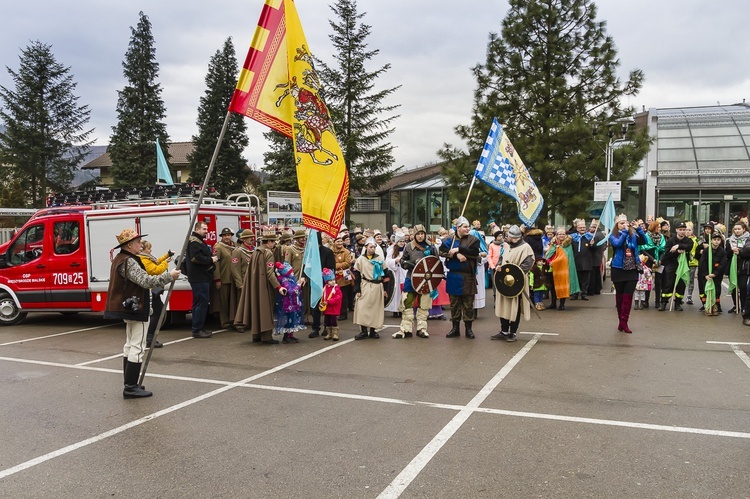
200 264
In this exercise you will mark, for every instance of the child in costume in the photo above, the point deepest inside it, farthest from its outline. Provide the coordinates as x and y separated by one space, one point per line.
644 284
288 310
538 282
330 305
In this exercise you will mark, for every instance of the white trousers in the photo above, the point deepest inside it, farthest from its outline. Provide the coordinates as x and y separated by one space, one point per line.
424 303
135 340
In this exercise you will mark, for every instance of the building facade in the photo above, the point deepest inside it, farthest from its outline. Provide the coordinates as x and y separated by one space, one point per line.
698 167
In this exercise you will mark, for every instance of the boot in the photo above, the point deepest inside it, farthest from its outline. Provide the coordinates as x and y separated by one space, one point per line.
678 305
553 305
362 333
328 335
132 390
618 303
469 332
562 304
718 307
648 297
455 332
662 306
627 301
335 333
374 334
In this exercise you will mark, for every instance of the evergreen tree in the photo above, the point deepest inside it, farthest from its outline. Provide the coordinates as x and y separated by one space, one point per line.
357 108
549 78
140 113
45 136
12 195
279 163
231 172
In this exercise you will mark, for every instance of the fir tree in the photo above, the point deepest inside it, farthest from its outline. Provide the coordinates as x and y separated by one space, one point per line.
279 163
231 172
549 78
140 113
363 120
45 136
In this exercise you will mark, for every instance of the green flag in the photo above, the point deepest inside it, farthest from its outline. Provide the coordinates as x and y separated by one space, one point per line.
683 270
733 274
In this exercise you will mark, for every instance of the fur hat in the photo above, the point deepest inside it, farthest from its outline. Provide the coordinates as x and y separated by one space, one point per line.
126 236
328 275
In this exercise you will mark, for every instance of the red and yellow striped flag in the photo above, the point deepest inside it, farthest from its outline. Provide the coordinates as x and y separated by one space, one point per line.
279 87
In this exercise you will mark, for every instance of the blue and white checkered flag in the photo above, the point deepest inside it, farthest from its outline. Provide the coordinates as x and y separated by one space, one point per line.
501 168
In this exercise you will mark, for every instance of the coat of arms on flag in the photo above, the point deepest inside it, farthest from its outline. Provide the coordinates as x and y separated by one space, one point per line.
501 168
279 87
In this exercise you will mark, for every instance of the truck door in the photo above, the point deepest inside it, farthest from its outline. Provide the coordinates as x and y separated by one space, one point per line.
68 283
26 272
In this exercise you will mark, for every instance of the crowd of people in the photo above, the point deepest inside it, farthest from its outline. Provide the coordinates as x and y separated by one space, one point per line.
259 284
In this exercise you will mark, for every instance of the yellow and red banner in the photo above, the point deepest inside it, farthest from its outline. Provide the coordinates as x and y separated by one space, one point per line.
279 87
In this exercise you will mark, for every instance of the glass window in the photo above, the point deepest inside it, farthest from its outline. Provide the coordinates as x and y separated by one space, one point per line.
395 208
406 211
420 207
28 246
66 237
436 209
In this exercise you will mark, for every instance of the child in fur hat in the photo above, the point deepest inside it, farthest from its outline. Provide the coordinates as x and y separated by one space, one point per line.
330 305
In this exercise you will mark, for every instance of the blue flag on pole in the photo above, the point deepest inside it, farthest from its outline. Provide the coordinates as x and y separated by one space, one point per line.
607 219
312 269
162 170
501 168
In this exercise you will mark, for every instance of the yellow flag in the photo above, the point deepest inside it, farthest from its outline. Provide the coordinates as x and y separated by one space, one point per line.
279 87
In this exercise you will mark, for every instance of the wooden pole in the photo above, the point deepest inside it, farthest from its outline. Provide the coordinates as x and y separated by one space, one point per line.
182 253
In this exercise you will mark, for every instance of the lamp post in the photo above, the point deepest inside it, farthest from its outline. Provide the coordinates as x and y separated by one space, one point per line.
624 123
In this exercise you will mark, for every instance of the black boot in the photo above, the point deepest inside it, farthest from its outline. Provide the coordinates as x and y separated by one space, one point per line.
374 334
362 333
455 331
469 332
132 390
662 306
562 304
678 305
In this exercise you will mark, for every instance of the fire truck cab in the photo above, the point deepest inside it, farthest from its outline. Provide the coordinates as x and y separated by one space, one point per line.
60 260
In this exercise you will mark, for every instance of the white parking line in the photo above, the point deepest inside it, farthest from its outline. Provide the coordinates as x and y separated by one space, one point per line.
415 467
57 334
736 349
104 359
115 431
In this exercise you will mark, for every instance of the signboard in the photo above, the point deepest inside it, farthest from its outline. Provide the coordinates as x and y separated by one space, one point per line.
603 189
284 209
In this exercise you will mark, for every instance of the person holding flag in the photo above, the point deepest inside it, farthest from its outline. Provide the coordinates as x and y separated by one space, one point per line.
738 252
625 238
711 268
461 253
676 270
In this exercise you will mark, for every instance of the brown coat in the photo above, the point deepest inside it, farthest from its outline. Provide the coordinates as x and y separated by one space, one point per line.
255 309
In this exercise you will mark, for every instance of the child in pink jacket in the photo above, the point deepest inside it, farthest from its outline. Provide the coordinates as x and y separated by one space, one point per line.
330 305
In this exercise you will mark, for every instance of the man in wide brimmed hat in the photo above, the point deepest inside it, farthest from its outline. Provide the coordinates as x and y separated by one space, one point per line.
259 290
223 249
129 299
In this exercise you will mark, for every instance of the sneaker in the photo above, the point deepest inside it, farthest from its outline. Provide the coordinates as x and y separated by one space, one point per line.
689 301
202 334
510 338
423 334
499 336
156 344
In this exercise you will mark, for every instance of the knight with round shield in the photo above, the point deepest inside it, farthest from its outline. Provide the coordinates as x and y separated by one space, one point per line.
424 271
511 280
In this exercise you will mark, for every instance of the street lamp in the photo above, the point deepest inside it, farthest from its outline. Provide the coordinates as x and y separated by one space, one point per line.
624 123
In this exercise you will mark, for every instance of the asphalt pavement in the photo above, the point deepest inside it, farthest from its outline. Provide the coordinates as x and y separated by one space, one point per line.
572 409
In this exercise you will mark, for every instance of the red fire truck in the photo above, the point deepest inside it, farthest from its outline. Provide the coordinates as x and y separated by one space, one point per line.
59 261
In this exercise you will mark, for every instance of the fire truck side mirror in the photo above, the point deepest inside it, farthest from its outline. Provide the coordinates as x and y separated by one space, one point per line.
3 261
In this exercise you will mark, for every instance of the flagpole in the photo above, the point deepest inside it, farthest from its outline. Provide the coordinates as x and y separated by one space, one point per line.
182 253
471 186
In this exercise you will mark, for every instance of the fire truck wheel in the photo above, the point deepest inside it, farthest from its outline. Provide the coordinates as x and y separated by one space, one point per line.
10 314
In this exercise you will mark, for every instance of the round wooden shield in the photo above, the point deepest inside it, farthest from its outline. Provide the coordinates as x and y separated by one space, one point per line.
427 274
509 280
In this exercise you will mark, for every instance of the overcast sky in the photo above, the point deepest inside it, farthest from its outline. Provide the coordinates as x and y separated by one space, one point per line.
692 53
